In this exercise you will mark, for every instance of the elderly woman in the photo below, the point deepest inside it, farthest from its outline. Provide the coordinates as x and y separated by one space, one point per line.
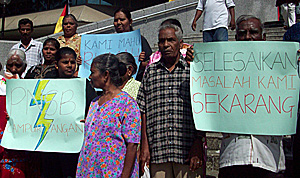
15 64
46 70
70 38
112 127
129 85
123 23
13 164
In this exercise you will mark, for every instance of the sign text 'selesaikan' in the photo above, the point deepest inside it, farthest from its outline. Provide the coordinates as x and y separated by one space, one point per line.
249 81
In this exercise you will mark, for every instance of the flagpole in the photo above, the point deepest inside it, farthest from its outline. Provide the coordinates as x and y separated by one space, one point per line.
67 3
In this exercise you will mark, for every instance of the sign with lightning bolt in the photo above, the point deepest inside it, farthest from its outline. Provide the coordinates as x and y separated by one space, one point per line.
45 115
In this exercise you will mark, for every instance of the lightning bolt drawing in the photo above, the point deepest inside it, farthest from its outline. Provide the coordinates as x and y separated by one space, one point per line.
45 101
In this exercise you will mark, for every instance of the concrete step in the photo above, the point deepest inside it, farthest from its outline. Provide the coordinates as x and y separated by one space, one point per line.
272 34
213 140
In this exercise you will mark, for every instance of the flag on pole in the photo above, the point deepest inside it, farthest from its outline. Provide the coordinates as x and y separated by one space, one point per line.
58 27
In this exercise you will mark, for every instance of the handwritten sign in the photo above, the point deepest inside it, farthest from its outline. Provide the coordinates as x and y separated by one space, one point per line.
245 87
45 115
96 44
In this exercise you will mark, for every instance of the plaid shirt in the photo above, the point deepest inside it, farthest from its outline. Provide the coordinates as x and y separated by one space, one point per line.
164 97
33 53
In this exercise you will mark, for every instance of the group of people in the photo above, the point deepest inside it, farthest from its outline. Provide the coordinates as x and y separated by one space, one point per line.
139 122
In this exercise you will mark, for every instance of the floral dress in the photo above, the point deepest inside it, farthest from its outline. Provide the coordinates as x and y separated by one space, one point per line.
107 128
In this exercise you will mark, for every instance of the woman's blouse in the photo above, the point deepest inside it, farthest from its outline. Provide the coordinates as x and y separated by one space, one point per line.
132 87
40 71
107 130
73 42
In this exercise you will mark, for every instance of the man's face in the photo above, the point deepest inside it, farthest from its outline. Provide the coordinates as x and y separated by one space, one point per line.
168 44
25 31
250 30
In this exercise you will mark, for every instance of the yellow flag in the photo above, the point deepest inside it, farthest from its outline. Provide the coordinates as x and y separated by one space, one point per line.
58 27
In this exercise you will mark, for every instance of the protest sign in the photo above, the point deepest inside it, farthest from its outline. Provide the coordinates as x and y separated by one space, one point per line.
93 45
45 115
245 87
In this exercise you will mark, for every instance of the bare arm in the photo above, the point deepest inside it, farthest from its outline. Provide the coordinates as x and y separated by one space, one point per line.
197 16
145 153
196 153
232 21
129 160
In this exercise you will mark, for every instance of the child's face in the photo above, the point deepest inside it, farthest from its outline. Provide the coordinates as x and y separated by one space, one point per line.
66 66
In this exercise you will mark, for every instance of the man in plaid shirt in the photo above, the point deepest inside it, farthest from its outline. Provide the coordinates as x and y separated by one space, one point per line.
170 143
32 48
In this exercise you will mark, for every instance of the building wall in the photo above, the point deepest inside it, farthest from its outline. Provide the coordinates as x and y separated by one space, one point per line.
264 9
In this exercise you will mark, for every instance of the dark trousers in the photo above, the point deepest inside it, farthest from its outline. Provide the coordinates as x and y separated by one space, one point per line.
59 165
247 171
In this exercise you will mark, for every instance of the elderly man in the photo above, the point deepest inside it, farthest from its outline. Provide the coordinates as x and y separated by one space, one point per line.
170 142
32 48
251 155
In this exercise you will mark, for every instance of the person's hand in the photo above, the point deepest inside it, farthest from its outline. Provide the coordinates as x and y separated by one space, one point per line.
196 154
298 52
144 158
79 60
142 56
189 55
232 24
7 116
194 24
195 163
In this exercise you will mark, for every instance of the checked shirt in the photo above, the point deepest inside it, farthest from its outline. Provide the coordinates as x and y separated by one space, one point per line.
164 97
33 53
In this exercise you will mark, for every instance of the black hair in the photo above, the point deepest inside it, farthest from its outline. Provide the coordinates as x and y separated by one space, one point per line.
63 51
127 59
172 21
109 62
127 14
24 22
53 41
72 16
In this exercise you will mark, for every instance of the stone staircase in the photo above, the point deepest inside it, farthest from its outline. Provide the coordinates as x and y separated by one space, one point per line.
273 34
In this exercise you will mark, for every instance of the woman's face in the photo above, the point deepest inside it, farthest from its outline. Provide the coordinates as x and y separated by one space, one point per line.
15 65
122 23
97 79
69 27
49 52
66 66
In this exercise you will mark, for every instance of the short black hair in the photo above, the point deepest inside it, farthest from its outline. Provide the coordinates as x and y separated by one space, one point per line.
63 51
24 22
52 40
